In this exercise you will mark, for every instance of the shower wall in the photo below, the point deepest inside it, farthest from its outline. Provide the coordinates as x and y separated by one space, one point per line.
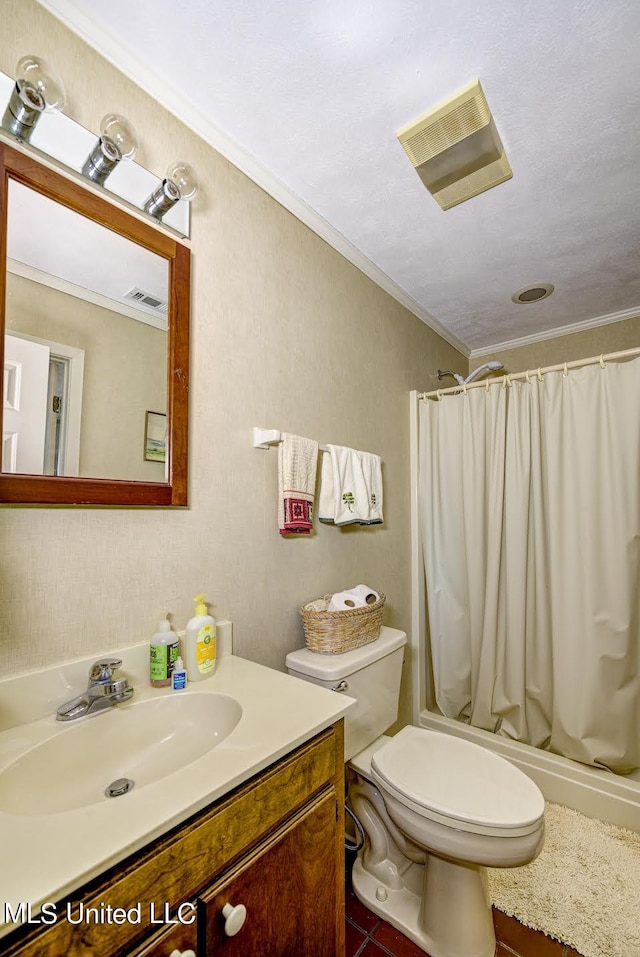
612 337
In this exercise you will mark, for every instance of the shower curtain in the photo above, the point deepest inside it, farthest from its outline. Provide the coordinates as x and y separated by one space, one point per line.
529 498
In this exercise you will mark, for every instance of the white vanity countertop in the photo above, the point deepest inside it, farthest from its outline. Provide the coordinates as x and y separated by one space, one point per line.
47 856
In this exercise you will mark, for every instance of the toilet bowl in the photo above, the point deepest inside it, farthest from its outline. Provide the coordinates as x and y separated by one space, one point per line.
437 811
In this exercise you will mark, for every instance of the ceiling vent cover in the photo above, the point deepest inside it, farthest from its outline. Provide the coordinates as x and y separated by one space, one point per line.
533 293
146 299
456 148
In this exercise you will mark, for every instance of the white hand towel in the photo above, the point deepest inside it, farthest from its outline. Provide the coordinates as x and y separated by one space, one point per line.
327 497
351 497
372 471
297 464
350 487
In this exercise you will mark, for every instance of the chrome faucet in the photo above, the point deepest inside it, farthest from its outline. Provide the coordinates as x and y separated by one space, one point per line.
104 690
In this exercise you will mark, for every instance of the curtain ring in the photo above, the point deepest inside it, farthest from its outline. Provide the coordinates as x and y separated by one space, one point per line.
508 378
486 385
464 388
526 375
439 395
602 362
504 381
540 375
566 370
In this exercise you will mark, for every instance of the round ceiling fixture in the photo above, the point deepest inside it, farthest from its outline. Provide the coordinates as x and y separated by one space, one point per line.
533 293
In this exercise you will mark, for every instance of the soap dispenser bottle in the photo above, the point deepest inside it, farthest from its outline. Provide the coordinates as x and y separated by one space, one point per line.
163 651
200 643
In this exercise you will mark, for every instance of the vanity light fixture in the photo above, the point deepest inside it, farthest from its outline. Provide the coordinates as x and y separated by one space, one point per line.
38 89
118 141
181 182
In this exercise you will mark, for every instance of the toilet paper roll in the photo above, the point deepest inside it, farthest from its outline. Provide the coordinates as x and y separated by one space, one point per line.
345 600
369 596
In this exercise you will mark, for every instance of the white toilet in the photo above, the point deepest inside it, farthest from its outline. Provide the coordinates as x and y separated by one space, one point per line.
436 810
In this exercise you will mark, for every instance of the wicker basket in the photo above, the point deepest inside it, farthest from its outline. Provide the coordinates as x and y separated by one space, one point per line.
333 632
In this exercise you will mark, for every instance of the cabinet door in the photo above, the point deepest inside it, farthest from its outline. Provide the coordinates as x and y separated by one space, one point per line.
180 938
290 888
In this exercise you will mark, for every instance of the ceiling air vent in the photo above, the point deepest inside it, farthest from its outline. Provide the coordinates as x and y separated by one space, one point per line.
533 293
456 149
146 299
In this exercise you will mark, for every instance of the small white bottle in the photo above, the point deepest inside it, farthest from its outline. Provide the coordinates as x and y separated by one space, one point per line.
178 675
163 651
200 643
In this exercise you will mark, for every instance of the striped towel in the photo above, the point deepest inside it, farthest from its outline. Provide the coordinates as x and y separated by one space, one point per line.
297 464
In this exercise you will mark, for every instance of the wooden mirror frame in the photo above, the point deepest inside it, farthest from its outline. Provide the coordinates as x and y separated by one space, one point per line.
62 490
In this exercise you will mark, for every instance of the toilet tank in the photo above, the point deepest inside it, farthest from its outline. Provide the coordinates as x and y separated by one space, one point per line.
370 674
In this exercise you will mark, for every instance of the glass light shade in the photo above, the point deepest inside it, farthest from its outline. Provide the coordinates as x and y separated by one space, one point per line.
185 178
36 73
119 131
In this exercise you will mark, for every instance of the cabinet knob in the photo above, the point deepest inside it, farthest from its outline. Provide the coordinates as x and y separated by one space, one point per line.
182 953
234 918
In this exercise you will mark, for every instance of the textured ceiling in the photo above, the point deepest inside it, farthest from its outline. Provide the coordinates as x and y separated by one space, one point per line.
315 90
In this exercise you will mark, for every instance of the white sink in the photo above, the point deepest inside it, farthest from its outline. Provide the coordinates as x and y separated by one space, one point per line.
141 741
49 853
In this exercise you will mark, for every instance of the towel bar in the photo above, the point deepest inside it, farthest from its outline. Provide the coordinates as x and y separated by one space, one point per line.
265 438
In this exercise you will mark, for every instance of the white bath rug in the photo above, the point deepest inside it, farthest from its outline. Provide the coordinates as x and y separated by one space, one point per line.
583 889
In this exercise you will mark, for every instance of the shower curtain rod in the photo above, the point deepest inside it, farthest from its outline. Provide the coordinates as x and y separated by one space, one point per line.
507 379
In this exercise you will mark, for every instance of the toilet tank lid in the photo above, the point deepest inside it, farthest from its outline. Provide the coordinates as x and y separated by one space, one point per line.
333 667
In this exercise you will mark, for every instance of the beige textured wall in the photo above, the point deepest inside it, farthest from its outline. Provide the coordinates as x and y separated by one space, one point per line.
285 334
118 388
613 337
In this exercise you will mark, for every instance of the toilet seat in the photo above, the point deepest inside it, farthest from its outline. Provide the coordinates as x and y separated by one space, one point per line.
457 783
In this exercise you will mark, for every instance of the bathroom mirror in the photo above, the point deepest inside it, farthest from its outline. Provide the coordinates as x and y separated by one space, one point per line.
94 316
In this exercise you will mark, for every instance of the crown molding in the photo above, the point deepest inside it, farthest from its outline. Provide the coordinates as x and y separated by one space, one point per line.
108 45
556 333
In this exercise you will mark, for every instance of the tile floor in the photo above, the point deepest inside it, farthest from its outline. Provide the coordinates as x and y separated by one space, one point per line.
369 936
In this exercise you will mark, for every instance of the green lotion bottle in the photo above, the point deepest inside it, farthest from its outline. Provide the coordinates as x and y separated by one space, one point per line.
163 653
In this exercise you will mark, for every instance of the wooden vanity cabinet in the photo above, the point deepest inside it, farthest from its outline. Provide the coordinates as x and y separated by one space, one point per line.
287 888
165 943
274 845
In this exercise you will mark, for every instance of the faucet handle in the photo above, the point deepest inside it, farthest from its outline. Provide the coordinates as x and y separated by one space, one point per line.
103 669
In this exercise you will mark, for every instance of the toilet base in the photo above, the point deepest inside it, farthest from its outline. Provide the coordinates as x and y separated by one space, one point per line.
442 907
